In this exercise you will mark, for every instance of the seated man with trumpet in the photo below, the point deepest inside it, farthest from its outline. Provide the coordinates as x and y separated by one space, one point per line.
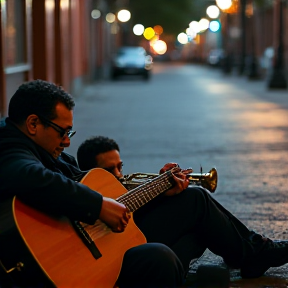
190 221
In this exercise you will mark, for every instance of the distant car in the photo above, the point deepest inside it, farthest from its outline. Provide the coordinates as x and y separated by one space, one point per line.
131 60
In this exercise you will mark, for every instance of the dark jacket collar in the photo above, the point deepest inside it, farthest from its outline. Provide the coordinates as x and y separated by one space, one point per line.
12 138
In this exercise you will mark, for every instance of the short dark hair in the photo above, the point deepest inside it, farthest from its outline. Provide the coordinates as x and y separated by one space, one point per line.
90 148
37 97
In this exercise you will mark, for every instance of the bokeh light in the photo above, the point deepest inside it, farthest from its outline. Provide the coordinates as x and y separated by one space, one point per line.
182 38
160 47
191 33
194 26
138 29
213 11
95 14
224 4
158 29
203 24
124 15
110 17
149 33
214 26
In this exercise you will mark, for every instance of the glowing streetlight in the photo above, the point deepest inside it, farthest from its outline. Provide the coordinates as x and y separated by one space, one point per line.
160 47
124 15
110 17
224 4
213 11
95 14
149 33
158 29
203 24
194 26
182 38
214 26
138 29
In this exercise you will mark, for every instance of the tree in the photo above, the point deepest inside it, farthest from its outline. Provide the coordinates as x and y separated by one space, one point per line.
173 15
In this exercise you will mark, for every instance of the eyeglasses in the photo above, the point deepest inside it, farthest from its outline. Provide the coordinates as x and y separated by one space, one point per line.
119 167
63 132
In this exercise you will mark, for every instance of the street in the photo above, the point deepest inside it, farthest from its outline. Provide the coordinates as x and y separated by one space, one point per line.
197 116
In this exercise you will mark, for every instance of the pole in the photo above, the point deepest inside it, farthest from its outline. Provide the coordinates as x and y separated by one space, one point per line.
278 79
243 43
253 65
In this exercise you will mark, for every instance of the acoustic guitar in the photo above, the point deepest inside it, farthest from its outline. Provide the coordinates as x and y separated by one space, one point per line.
71 253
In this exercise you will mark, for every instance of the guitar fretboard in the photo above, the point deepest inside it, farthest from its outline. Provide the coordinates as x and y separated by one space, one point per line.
141 195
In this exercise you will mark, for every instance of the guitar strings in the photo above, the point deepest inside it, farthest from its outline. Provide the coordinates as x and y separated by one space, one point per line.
139 196
133 200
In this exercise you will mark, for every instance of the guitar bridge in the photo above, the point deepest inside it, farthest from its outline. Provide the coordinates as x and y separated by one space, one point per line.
87 240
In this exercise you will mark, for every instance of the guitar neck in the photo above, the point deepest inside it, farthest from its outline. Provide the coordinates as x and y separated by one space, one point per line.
141 195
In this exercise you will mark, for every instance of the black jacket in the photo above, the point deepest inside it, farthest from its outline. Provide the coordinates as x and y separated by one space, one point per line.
35 177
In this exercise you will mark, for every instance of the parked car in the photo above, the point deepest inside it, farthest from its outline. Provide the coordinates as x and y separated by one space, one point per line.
131 60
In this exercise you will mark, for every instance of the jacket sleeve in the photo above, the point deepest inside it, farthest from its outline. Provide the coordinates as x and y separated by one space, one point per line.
52 192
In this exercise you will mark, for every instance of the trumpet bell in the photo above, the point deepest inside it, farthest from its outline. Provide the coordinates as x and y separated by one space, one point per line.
207 180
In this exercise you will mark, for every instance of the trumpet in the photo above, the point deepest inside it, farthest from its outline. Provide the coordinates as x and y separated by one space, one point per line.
207 180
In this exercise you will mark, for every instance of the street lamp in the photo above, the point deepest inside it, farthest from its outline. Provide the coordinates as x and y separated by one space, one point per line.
138 29
224 4
124 15
213 11
278 79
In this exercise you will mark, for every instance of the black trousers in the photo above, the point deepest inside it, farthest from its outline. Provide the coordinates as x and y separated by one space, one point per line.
192 221
151 265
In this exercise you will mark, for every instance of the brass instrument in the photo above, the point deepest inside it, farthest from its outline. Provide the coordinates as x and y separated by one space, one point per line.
206 180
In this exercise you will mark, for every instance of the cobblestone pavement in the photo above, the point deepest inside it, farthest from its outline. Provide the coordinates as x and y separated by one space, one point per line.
202 117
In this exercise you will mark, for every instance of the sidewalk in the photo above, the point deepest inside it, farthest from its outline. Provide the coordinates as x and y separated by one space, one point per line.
259 88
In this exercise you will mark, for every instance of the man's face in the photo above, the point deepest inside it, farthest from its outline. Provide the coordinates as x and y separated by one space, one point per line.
50 139
111 162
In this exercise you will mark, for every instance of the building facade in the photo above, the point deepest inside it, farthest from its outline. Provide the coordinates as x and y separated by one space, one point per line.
53 40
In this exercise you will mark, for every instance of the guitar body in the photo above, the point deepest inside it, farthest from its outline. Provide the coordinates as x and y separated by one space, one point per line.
60 252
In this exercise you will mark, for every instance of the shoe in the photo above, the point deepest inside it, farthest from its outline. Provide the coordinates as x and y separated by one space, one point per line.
271 254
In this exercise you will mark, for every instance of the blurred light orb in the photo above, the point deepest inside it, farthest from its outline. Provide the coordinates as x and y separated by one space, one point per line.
160 47
214 26
190 33
203 24
224 4
138 29
158 29
110 17
95 14
124 15
213 11
149 33
194 26
182 38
